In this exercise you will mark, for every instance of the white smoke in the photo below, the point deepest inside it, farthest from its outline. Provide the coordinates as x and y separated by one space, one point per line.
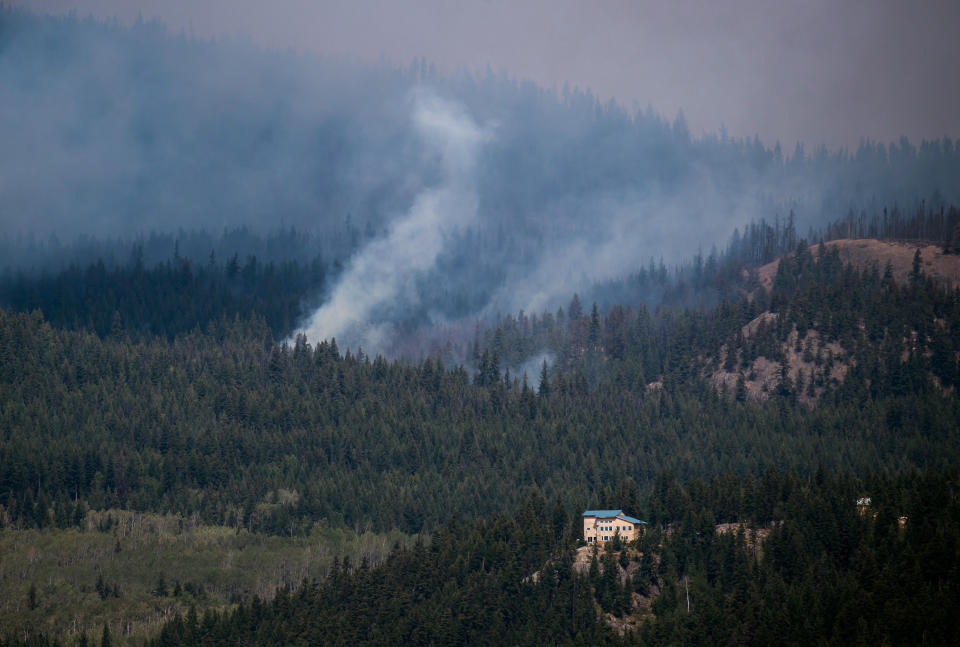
387 269
625 232
533 366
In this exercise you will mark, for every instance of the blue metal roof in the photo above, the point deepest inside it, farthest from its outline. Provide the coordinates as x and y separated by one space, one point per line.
602 513
633 519
610 514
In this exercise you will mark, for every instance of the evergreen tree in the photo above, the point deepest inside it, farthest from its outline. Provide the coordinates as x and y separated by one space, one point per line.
543 390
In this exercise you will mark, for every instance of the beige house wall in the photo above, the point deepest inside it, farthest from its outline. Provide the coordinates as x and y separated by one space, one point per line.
602 530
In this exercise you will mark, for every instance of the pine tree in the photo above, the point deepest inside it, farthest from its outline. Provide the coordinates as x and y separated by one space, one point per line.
543 391
916 273
594 335
575 310
740 393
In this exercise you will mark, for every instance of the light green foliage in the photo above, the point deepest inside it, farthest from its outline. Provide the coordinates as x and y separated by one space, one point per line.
212 567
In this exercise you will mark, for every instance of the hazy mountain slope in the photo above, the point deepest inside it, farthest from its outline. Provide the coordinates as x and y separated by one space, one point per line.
137 129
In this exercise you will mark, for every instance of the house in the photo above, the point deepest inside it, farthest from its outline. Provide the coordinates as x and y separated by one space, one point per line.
603 525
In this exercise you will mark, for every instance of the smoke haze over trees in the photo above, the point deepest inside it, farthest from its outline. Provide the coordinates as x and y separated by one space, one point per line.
114 132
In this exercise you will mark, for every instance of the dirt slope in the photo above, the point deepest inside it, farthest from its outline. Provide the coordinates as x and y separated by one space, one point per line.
863 252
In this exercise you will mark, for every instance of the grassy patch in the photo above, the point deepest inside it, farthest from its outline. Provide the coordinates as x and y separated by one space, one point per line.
134 570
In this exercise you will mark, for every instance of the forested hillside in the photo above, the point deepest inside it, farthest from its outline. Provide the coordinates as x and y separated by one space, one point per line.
215 421
542 302
834 369
827 573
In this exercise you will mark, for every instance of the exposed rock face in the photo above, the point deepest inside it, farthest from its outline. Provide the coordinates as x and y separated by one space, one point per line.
826 364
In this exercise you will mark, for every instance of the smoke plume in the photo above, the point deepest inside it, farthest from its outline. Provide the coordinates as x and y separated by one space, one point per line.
387 269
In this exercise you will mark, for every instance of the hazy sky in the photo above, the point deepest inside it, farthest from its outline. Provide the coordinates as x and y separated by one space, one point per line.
823 71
